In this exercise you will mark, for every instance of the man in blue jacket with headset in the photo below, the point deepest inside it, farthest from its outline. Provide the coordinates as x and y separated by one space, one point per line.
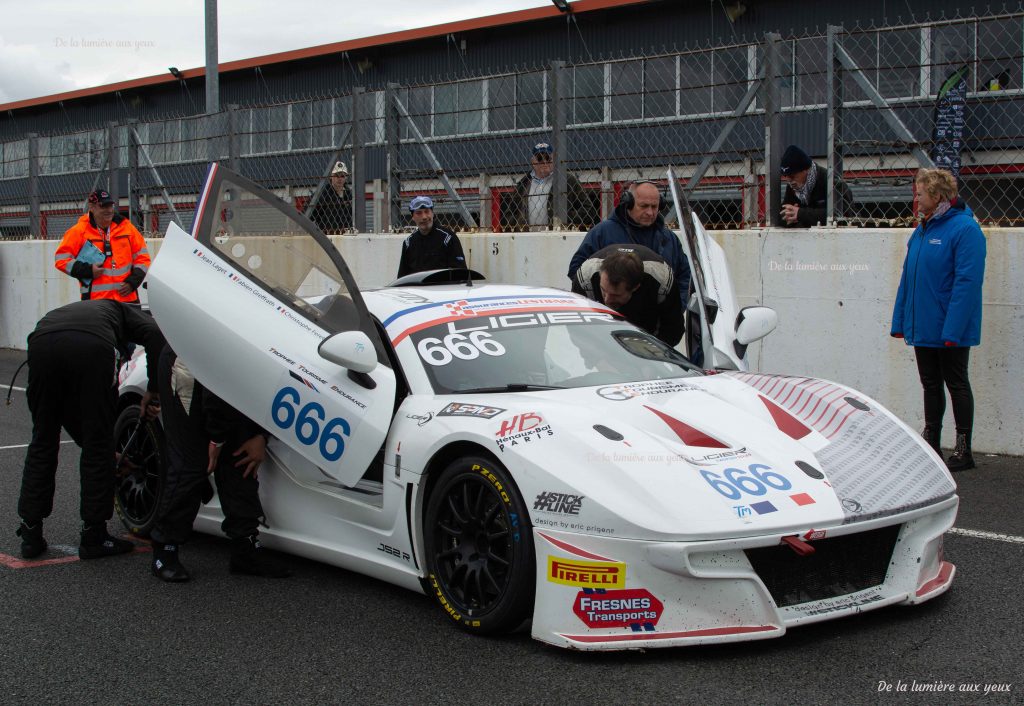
637 220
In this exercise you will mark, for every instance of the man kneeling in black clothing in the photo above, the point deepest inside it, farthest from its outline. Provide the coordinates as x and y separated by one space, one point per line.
637 283
203 435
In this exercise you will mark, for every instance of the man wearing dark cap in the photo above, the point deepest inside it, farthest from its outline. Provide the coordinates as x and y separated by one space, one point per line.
530 206
333 211
430 247
104 252
805 200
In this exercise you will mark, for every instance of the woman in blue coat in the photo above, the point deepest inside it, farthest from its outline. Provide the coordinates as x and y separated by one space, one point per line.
938 306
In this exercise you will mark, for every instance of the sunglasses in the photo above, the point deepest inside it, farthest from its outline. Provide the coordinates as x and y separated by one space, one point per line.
542 157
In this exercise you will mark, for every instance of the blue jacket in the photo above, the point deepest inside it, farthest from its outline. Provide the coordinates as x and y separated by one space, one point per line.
619 229
939 298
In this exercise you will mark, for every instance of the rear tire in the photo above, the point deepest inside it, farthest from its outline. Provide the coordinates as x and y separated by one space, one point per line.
480 557
138 488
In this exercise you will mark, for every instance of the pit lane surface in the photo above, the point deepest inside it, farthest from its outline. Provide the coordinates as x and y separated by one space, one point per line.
108 632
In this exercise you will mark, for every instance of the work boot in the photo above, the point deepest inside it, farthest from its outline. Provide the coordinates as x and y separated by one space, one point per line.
932 435
961 459
97 543
166 565
32 542
249 557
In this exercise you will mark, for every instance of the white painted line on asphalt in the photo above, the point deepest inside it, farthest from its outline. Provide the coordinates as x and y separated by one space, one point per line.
19 389
25 446
978 534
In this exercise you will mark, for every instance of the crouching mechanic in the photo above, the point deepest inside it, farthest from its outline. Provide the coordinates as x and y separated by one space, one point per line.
203 435
73 357
637 283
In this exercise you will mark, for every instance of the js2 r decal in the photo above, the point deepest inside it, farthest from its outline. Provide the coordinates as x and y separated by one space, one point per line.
437 351
393 551
634 608
522 428
734 483
586 574
304 421
461 409
558 502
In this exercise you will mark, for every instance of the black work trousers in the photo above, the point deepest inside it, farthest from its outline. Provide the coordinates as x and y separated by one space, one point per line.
946 366
186 449
71 384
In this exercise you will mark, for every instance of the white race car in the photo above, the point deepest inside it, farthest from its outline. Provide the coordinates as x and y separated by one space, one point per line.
523 454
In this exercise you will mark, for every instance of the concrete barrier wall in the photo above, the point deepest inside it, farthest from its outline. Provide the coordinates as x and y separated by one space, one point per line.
833 290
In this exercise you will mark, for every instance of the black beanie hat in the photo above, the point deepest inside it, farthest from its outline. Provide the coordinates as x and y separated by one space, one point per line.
794 160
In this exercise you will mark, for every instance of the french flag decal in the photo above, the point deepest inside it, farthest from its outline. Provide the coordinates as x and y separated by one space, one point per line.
304 381
802 499
763 508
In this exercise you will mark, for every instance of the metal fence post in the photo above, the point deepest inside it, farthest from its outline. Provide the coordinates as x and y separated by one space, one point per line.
835 119
393 213
773 129
133 179
557 85
486 222
233 145
35 220
113 165
358 164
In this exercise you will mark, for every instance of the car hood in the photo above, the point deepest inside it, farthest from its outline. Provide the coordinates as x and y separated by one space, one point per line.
722 456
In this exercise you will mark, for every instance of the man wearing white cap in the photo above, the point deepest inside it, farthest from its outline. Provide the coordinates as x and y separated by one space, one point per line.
333 212
430 247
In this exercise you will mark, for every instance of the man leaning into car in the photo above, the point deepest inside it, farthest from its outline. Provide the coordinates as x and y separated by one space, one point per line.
204 435
637 283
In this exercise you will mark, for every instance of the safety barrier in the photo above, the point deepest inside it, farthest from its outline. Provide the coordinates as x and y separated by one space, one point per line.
833 290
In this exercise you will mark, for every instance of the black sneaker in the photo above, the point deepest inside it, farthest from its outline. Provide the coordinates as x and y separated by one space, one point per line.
249 557
32 542
97 544
166 565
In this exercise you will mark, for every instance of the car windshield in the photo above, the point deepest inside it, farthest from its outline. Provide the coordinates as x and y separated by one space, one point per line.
542 351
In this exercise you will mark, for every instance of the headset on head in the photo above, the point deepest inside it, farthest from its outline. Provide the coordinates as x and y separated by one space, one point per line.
629 200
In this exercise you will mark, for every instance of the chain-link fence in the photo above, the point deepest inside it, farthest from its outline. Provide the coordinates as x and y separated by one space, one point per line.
554 146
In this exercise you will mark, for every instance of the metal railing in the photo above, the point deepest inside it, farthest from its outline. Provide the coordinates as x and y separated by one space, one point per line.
860 101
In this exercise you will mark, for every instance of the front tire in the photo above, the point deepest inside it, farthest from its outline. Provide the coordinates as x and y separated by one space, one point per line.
139 484
480 556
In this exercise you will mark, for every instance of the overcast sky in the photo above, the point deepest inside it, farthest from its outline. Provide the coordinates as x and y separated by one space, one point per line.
52 46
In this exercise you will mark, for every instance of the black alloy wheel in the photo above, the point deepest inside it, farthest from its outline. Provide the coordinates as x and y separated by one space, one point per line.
480 557
140 478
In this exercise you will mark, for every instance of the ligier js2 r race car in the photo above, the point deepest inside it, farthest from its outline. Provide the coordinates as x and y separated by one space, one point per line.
522 454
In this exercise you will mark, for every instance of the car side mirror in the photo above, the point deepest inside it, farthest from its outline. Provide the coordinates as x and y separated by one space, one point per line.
350 349
710 305
754 323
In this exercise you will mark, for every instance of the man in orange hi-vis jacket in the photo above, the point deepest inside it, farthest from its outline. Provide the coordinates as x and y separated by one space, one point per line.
117 266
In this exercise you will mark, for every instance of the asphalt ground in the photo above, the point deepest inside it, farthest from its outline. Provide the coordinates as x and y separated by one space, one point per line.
107 632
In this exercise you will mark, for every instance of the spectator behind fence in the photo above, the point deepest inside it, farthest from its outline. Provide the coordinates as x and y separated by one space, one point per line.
430 247
104 252
530 206
333 211
805 201
938 306
73 357
637 283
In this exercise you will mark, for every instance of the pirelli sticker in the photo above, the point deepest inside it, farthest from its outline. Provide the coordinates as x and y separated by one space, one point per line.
586 574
